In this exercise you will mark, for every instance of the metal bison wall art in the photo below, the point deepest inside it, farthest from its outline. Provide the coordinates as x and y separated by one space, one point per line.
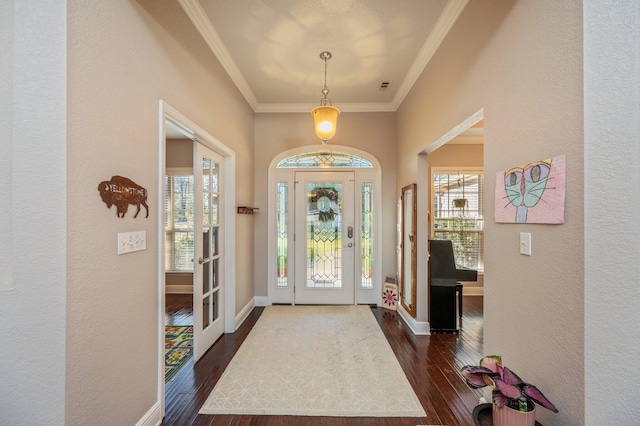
121 192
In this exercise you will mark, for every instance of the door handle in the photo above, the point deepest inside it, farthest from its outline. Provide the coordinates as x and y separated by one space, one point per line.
202 260
350 232
349 244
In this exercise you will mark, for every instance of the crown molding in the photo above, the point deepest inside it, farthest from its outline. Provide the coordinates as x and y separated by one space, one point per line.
307 107
201 21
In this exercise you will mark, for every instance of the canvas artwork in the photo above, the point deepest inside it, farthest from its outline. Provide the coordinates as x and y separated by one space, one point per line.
533 193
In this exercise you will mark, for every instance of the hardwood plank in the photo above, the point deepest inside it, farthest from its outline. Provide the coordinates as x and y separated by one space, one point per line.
431 363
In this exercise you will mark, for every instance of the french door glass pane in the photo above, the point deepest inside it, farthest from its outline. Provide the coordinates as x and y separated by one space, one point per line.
206 208
206 266
206 311
215 282
324 235
214 241
214 209
210 310
215 171
206 174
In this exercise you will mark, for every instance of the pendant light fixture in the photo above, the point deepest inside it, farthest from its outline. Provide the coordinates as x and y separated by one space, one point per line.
325 116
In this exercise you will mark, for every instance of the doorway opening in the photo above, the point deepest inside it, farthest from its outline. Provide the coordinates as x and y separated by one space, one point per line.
325 227
196 230
452 200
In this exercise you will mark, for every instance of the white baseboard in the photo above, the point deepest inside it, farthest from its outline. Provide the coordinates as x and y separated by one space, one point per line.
262 301
419 328
178 289
244 313
153 417
473 291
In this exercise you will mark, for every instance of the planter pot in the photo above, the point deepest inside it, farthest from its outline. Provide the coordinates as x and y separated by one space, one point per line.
460 202
506 416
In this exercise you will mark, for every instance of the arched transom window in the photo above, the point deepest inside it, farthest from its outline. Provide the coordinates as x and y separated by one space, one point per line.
325 159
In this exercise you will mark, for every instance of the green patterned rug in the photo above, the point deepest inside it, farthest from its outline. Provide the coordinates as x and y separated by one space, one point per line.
178 348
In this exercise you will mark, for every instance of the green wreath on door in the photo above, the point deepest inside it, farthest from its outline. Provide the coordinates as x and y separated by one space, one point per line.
324 199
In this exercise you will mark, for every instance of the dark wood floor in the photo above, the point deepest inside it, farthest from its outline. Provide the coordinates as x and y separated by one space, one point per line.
431 363
178 309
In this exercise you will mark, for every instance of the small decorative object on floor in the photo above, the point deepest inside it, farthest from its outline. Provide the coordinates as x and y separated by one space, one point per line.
510 394
483 415
507 416
390 296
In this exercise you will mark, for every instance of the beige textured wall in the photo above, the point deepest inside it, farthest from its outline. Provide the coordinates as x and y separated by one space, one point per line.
454 155
370 132
522 62
123 57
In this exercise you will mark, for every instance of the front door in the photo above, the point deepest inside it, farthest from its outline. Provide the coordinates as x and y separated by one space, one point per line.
208 303
324 238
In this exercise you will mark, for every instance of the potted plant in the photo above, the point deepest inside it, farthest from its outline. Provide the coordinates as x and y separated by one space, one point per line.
460 202
513 399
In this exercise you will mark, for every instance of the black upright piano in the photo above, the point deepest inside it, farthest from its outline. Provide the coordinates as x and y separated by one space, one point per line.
445 281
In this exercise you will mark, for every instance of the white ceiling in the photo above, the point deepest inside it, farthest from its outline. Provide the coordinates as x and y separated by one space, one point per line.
271 48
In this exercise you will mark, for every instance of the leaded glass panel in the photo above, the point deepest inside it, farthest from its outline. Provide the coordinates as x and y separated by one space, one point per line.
324 235
325 159
282 236
367 235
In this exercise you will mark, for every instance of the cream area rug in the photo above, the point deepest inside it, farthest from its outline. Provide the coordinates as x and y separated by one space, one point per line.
315 361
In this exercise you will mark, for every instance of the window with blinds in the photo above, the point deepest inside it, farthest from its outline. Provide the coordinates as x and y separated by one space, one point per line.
458 213
178 222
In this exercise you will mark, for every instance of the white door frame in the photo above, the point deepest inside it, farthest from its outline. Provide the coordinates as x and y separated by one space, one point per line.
195 132
277 294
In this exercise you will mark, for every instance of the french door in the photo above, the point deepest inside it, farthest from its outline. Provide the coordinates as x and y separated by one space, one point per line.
208 301
324 238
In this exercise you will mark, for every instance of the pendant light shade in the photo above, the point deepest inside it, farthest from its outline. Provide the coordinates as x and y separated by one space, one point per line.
325 119
325 116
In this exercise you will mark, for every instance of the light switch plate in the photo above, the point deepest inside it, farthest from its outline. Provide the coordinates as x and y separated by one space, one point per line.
525 243
132 241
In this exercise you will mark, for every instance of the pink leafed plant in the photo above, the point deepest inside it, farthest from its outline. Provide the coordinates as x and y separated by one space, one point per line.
507 387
